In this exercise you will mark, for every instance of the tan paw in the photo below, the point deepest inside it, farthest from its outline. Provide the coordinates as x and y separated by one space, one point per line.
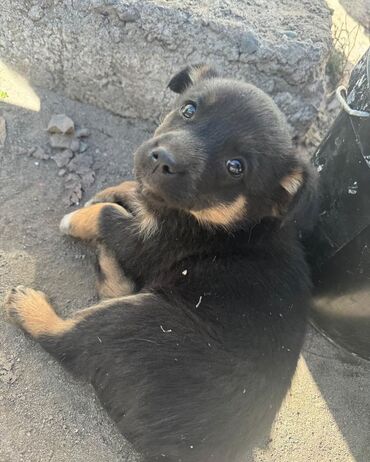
85 223
31 310
18 302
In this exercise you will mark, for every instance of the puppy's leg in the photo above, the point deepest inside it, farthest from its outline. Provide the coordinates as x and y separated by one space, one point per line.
85 223
121 194
31 310
111 280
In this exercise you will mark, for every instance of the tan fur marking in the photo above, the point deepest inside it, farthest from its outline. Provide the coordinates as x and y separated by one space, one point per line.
292 182
224 215
146 221
132 299
114 284
31 310
84 223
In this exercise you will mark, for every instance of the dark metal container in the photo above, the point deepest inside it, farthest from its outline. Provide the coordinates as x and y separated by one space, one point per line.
339 248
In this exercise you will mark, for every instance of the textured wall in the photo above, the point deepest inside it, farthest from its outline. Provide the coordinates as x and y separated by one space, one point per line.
119 54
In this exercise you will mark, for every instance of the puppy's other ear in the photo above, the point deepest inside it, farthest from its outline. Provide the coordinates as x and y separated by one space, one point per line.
298 197
189 76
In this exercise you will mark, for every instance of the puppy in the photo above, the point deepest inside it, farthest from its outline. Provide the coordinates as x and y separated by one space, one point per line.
203 277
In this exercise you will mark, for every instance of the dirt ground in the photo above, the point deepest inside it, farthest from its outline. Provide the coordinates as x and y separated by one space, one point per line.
46 414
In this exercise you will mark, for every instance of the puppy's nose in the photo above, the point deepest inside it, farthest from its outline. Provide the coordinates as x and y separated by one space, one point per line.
163 161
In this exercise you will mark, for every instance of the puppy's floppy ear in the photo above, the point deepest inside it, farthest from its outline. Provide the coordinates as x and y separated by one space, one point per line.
298 196
190 75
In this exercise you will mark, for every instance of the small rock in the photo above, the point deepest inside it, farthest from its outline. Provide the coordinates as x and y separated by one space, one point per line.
83 146
39 153
81 164
60 123
36 13
62 158
83 133
2 131
88 179
73 193
6 374
290 34
249 44
62 172
5 363
8 377
59 140
128 15
75 145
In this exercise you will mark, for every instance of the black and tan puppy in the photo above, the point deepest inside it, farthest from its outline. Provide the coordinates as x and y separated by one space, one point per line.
205 282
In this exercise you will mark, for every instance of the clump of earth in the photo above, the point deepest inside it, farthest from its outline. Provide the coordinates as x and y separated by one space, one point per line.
68 148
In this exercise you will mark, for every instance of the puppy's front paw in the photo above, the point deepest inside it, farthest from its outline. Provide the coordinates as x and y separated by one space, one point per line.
85 223
65 223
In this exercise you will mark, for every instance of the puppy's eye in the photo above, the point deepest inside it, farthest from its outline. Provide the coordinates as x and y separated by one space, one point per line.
188 110
235 167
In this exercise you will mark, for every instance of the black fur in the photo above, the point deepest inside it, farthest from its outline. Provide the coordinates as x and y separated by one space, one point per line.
196 369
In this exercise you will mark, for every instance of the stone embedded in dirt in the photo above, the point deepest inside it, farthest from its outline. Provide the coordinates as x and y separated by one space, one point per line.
81 164
36 13
62 158
59 140
60 123
75 145
2 131
6 374
83 146
83 133
88 179
5 363
73 189
38 153
62 172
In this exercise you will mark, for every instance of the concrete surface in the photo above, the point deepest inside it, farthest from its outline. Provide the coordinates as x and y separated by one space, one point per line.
46 414
118 54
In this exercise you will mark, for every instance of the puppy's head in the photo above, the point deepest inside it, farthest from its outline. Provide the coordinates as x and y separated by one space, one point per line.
223 155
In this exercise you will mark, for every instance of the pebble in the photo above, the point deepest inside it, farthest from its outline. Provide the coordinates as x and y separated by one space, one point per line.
38 153
60 123
36 13
249 44
88 179
290 34
62 158
75 145
83 146
81 164
73 187
59 140
83 133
